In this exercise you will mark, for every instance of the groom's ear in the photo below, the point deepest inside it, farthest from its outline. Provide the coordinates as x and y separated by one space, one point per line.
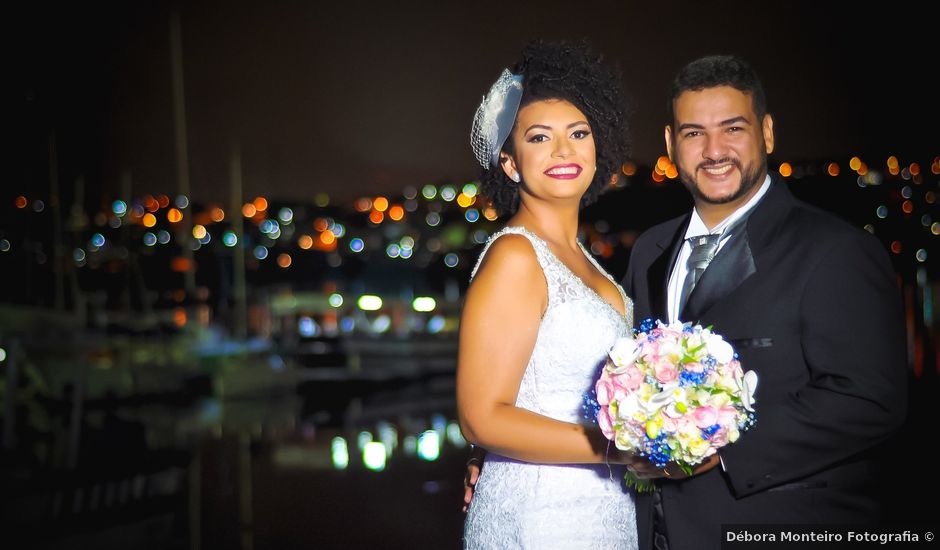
668 135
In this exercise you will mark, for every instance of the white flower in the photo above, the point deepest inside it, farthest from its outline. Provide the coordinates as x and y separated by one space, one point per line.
748 385
623 354
719 349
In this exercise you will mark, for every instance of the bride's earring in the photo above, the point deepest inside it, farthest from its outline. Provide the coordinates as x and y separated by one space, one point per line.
515 177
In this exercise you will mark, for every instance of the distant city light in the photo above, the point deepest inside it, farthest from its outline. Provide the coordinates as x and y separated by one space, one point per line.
369 302
119 207
396 213
381 324
163 237
472 215
149 220
229 239
4 245
97 240
149 239
199 231
339 230
307 327
454 436
448 193
380 204
78 255
436 324
433 219
424 303
470 190
260 252
921 255
269 226
173 215
373 456
429 192
882 212
362 438
451 260
392 250
407 242
356 244
3 355
347 324
261 204
340 453
405 253
181 202
336 299
429 446
249 210
284 260
217 214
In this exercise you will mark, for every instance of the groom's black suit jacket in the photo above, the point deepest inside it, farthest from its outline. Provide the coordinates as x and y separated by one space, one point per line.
810 304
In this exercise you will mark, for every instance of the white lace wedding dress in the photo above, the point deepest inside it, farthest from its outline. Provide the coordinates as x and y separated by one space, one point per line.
537 506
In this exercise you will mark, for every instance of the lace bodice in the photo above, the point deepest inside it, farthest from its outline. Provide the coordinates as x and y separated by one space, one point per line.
523 505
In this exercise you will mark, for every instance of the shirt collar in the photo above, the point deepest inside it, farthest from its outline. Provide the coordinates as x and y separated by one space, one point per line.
697 226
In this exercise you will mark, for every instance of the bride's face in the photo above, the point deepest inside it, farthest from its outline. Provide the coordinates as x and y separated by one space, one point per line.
553 150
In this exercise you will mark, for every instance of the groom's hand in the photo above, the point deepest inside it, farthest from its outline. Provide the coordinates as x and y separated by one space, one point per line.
469 483
645 470
474 465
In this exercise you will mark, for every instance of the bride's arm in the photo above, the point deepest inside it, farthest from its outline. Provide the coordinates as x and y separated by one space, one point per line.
498 330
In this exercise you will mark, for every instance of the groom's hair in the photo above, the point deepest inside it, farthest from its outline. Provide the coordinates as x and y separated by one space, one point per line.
719 70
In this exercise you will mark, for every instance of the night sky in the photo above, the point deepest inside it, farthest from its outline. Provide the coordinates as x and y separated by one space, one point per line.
358 98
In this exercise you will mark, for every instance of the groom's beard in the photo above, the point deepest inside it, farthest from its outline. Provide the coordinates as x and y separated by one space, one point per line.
750 176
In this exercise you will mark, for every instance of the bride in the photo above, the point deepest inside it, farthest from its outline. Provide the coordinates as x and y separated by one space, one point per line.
541 314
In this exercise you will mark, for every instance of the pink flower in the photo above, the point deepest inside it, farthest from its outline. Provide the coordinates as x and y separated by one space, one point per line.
719 438
605 390
727 415
665 372
694 367
605 423
629 380
705 416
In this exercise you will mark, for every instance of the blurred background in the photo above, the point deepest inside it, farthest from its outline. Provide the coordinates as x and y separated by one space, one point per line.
234 240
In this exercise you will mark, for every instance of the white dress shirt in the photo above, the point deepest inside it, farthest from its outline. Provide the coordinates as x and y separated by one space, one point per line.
697 227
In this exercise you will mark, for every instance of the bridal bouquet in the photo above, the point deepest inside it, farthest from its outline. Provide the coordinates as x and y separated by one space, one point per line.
674 393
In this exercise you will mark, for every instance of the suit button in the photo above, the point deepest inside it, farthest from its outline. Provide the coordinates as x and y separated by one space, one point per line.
750 484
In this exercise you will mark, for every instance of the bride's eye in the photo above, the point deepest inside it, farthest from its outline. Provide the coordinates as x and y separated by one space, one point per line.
581 134
537 138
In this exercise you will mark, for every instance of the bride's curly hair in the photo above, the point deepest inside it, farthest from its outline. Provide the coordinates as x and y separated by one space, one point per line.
569 71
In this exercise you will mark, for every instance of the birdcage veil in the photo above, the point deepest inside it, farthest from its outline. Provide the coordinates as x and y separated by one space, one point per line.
495 117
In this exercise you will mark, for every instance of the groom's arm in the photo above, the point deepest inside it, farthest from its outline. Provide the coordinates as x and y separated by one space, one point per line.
851 340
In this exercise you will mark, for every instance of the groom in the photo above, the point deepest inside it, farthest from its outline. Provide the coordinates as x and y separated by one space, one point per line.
810 304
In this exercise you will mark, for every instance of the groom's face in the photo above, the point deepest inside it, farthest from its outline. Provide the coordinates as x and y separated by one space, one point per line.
718 145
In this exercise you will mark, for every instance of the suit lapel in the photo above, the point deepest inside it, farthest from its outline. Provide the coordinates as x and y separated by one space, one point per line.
731 267
740 258
660 270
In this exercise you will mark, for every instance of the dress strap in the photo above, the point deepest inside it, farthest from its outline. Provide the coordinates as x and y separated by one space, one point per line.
541 249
